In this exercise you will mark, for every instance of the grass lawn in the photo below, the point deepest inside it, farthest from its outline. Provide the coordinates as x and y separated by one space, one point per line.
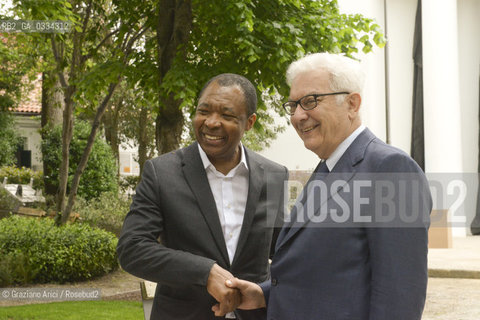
73 310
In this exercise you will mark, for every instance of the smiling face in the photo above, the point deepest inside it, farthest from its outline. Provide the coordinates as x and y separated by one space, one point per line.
323 128
220 122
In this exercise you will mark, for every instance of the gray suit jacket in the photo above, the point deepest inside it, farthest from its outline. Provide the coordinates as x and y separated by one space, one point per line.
354 270
174 204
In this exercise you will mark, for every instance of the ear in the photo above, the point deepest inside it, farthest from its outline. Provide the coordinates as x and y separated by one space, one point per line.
354 101
250 121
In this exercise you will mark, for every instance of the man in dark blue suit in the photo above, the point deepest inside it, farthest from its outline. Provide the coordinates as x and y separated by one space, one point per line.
355 245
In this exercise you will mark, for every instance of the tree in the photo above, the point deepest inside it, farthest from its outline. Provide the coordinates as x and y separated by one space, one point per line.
199 39
16 65
168 49
52 110
8 139
26 59
88 69
130 120
100 174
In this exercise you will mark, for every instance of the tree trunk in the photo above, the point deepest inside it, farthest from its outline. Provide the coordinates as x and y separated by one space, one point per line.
67 127
110 123
169 126
67 134
52 109
173 29
52 100
142 138
86 153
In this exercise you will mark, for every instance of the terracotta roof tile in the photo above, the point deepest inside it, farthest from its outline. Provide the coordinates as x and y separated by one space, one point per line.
32 103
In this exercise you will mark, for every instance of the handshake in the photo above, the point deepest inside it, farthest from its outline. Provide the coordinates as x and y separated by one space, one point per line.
232 293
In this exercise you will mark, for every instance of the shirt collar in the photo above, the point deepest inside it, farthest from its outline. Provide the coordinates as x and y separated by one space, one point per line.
342 147
207 164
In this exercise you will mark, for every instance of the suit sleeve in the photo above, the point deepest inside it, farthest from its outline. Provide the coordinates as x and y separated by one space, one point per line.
139 250
265 286
398 253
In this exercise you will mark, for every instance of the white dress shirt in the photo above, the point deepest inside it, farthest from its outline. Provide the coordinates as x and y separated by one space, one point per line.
342 147
230 192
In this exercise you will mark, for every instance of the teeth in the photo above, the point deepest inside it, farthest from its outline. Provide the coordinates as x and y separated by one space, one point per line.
213 137
308 129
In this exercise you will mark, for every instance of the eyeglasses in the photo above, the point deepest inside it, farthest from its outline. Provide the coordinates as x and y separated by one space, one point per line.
307 102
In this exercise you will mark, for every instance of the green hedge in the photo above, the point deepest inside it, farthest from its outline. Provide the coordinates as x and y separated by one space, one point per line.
37 251
22 175
106 212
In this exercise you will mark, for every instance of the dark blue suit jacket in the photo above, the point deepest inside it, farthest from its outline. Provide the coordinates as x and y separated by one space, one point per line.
356 269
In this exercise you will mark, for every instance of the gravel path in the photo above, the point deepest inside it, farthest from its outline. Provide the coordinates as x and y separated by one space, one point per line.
452 299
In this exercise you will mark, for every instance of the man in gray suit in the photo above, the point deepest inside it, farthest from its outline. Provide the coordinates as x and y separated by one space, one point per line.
356 243
201 214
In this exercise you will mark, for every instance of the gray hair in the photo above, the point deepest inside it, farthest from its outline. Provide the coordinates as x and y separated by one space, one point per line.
345 73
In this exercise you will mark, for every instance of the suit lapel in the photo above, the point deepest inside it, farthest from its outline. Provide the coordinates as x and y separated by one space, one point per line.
293 214
301 217
344 170
255 183
196 178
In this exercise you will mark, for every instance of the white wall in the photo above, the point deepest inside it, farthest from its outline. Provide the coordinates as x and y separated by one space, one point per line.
451 40
469 57
401 27
128 154
29 127
128 166
289 150
373 105
443 151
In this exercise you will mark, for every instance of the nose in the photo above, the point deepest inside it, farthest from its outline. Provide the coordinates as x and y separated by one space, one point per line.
299 114
213 121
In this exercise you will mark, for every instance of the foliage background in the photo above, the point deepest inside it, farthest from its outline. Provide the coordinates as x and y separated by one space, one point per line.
101 172
9 139
107 211
22 176
159 54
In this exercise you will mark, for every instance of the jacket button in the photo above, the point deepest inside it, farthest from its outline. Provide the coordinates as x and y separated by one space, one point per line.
274 281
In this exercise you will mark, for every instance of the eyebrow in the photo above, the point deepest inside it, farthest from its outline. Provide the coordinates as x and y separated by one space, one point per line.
224 108
228 109
308 94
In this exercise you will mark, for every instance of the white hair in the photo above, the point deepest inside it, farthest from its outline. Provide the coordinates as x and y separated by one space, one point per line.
345 73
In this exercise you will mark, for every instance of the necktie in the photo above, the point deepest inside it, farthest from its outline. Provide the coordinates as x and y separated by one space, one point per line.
322 167
320 170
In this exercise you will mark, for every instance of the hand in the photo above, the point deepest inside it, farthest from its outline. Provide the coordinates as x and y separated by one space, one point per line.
228 298
252 294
